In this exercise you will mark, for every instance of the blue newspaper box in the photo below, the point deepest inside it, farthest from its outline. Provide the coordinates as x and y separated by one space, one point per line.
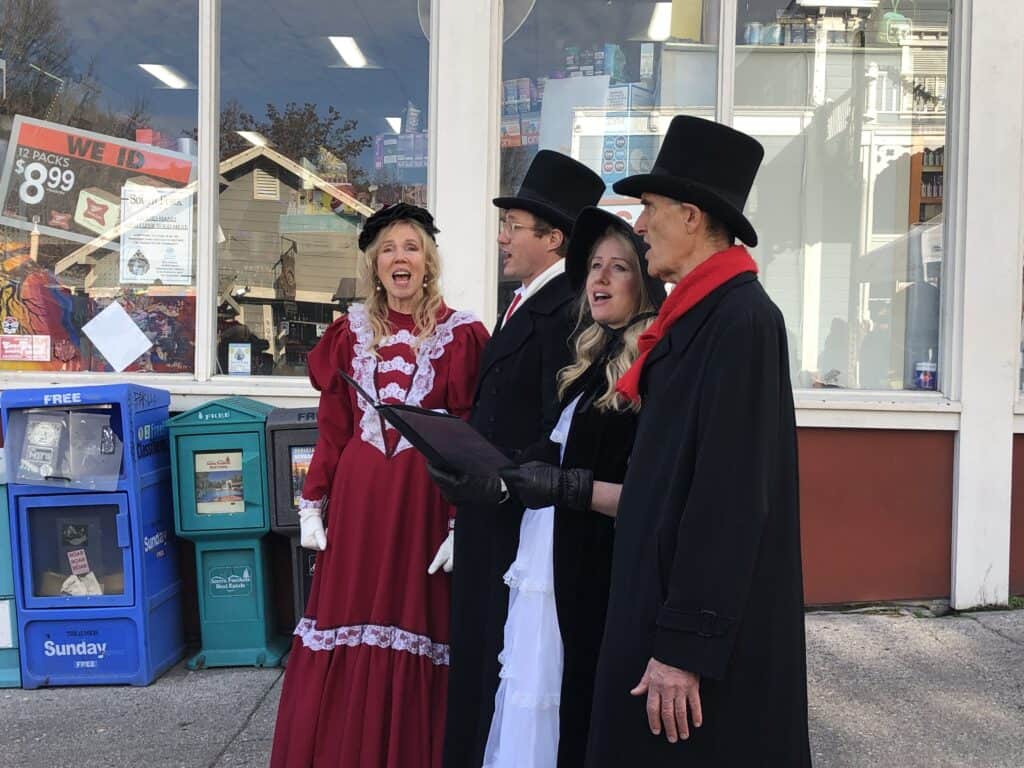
96 585
219 469
10 666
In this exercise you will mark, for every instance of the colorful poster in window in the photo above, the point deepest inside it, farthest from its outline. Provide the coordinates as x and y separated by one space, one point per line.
302 456
34 305
169 321
219 483
69 181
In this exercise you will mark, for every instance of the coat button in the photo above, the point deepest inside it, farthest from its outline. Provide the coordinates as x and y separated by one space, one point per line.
494 390
491 420
497 369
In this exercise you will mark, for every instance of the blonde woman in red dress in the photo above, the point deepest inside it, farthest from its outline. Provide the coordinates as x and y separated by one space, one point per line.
368 672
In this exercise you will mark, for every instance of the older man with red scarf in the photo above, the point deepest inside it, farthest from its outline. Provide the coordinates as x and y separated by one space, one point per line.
703 661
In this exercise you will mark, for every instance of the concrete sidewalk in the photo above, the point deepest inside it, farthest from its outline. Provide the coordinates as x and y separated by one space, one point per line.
884 691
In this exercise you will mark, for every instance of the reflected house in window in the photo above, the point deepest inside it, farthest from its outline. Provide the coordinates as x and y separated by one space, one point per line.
290 240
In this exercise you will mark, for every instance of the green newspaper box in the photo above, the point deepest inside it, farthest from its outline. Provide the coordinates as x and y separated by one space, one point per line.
219 474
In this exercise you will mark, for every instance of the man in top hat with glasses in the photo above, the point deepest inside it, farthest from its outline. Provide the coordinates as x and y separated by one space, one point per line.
703 661
516 404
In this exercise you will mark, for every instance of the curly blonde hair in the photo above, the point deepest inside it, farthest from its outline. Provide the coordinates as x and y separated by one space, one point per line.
430 303
590 343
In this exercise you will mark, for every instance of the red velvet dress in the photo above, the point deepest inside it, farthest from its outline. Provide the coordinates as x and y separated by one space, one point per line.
368 673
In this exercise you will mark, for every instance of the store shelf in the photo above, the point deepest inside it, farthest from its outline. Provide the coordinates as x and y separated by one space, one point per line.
918 173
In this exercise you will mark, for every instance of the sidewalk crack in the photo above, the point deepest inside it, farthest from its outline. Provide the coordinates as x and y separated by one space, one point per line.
245 723
993 630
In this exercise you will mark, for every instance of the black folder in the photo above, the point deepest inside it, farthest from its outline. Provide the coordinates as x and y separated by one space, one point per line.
447 441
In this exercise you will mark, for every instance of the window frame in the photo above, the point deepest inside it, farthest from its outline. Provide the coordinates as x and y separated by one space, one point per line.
460 57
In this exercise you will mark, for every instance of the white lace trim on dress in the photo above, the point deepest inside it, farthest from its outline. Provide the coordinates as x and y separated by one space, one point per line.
392 392
365 364
396 364
378 636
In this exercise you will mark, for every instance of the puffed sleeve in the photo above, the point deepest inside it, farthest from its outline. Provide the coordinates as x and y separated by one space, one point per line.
464 368
334 416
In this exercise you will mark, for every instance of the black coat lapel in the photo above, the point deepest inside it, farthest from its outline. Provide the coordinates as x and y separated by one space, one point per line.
519 328
683 331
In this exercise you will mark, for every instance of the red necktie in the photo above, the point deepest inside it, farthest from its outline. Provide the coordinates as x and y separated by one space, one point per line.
511 308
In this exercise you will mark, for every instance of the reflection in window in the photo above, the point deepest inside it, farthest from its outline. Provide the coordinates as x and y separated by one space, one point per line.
323 120
97 193
601 82
849 100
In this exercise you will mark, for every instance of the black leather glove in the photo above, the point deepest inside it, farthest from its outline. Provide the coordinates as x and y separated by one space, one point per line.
540 485
467 489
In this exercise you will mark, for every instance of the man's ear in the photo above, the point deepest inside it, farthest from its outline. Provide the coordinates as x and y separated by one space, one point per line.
555 239
692 217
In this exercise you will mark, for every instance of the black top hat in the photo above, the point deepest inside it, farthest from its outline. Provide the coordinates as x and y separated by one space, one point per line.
708 165
555 189
388 215
590 227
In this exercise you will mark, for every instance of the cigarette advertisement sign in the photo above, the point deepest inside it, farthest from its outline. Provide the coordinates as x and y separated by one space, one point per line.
70 181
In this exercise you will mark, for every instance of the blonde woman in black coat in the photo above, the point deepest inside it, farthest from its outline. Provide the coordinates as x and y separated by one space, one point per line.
558 583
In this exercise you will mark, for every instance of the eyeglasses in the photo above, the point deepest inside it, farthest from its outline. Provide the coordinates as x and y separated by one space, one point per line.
509 228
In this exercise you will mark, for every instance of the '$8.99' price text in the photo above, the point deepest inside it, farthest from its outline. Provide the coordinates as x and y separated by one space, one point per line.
39 178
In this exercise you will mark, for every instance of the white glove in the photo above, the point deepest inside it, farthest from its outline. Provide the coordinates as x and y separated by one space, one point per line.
445 557
311 529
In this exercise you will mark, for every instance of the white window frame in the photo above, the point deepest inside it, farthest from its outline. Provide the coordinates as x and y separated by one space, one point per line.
464 107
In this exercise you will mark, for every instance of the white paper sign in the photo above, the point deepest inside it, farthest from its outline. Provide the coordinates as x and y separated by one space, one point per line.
157 240
116 336
6 633
240 359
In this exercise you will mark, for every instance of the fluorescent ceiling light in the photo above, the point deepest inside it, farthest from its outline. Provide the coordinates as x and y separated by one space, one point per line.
166 75
660 27
348 49
255 138
395 123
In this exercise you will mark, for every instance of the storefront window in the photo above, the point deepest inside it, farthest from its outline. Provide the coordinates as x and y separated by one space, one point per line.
601 82
323 120
98 108
849 99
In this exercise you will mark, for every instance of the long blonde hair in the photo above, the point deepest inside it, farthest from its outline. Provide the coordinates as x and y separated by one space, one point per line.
590 342
430 303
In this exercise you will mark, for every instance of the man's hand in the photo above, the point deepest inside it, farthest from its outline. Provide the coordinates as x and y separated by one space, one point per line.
671 693
468 489
540 485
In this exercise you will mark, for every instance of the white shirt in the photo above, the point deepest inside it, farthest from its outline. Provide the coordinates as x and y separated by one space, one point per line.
526 291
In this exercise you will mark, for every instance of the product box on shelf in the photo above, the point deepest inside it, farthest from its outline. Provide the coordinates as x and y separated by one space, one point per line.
628 96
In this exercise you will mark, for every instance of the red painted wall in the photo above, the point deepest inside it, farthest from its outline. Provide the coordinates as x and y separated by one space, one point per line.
876 514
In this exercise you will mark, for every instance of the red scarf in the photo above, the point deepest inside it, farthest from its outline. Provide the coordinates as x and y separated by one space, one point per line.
709 275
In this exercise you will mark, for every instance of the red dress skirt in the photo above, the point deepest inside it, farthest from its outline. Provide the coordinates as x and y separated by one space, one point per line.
368 672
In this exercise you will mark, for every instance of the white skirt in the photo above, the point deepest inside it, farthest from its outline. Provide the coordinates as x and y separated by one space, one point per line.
524 728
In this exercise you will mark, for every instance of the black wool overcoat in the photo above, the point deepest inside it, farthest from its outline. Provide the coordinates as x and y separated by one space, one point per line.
516 405
706 573
582 552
